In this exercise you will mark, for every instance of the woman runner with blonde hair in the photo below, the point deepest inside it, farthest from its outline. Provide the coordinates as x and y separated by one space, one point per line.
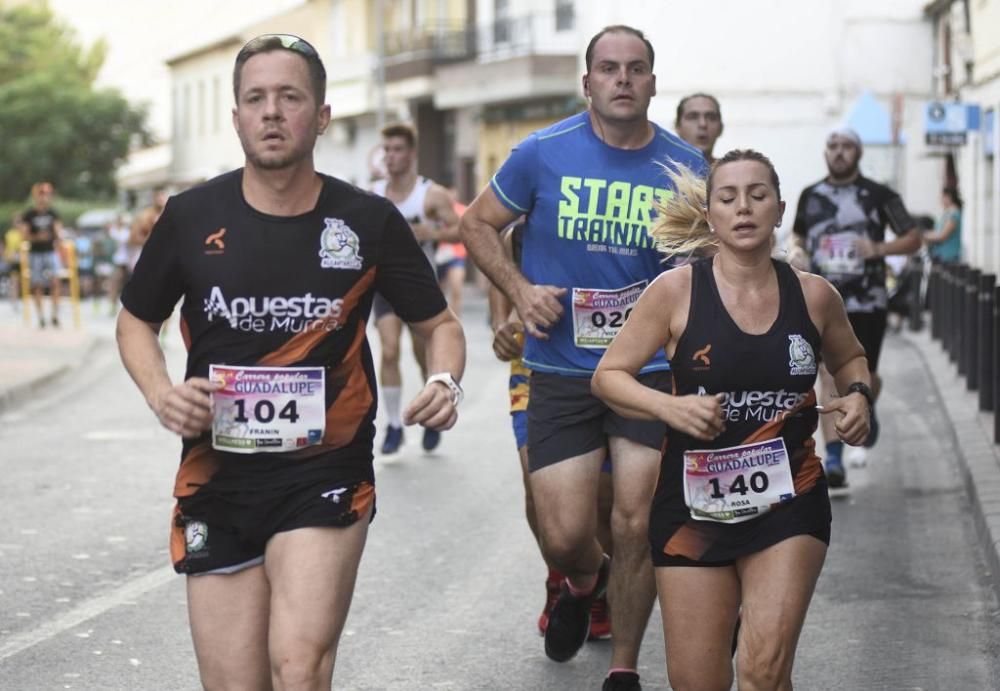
740 521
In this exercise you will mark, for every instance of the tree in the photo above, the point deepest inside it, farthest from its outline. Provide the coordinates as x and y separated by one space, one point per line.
55 124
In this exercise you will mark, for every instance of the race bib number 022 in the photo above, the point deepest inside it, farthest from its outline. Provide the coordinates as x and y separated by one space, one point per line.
267 409
738 483
598 315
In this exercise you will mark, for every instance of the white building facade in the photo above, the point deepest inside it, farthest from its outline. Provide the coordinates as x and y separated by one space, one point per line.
478 75
786 72
967 69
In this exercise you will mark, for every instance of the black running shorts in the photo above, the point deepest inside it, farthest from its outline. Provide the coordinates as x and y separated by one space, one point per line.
869 327
722 544
565 420
381 306
225 526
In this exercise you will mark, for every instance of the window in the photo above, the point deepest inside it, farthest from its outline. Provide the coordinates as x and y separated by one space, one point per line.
216 104
176 98
201 108
338 30
186 124
501 21
564 15
989 133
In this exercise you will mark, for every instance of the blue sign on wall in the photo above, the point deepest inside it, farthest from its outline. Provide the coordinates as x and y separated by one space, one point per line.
948 123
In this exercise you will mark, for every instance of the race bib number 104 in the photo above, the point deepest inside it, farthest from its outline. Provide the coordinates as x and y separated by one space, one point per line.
267 409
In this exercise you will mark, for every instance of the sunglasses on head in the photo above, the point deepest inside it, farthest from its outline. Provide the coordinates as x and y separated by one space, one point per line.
287 41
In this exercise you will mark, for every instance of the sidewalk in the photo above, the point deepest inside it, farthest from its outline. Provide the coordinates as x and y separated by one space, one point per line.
31 357
978 456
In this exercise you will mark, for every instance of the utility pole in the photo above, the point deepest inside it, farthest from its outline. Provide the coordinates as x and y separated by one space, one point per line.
380 67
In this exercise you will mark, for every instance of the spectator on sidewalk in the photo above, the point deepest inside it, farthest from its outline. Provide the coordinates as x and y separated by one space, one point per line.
118 232
142 226
945 242
11 262
42 227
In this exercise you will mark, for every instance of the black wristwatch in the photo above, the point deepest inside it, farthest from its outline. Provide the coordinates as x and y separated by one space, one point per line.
863 389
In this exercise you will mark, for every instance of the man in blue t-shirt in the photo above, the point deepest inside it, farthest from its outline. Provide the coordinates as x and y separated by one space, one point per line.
587 187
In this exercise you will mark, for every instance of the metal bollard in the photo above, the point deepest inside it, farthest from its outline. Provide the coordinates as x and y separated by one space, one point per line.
915 303
958 316
970 342
986 336
944 306
948 309
932 296
996 370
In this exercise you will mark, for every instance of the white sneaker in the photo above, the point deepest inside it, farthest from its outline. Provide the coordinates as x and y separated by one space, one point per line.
856 456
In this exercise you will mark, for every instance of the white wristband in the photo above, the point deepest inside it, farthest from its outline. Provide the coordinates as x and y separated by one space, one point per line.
445 378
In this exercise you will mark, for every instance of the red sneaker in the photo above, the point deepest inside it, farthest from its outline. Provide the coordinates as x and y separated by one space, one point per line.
600 620
551 595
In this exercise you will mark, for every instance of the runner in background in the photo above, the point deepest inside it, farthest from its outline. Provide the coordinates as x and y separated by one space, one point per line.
449 259
139 231
839 233
429 210
699 122
142 226
508 346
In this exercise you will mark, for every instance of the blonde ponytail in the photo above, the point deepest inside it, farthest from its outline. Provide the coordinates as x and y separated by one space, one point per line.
680 228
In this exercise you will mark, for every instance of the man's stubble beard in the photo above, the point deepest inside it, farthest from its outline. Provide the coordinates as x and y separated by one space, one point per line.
641 116
276 163
280 163
851 172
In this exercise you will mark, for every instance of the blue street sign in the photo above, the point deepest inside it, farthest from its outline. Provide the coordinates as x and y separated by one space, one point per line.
948 123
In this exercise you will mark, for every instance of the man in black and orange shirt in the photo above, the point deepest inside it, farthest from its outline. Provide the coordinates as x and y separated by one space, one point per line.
277 266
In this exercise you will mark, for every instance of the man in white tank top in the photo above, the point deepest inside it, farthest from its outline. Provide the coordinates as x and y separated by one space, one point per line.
427 207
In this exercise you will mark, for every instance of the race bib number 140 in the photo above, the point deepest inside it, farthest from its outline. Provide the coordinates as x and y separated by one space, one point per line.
267 409
738 483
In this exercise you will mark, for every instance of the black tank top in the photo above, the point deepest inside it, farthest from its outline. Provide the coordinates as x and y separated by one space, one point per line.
767 379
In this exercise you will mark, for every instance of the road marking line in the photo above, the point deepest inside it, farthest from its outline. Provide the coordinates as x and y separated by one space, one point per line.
86 610
143 434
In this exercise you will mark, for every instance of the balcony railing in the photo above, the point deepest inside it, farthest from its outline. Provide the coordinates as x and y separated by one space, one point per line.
415 51
513 36
433 41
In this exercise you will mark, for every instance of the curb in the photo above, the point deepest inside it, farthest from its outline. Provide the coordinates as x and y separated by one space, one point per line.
972 437
9 398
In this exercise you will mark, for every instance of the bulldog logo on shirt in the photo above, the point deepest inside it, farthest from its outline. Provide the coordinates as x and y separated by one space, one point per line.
801 359
195 536
339 247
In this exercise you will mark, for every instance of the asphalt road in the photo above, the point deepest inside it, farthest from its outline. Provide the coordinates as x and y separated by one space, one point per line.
451 584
